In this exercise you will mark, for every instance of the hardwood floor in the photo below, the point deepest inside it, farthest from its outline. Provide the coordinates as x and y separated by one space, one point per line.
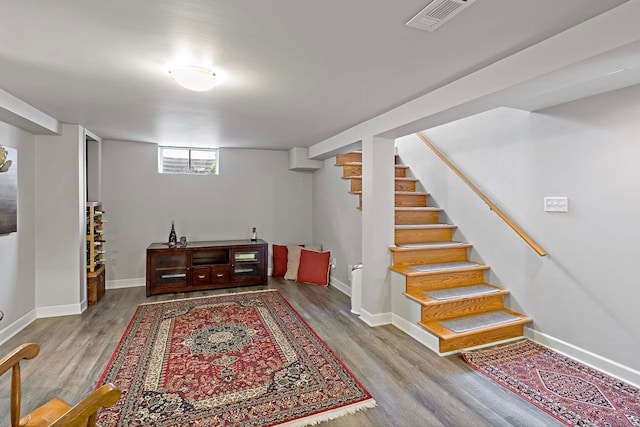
412 385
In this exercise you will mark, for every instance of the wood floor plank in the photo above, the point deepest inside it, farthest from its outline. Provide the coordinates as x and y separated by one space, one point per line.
412 385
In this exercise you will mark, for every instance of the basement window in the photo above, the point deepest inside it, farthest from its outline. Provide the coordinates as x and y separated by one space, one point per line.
188 161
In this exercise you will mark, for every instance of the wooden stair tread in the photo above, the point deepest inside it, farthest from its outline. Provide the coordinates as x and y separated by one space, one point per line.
445 334
426 300
397 178
417 209
45 414
345 155
411 193
430 246
406 270
422 226
360 164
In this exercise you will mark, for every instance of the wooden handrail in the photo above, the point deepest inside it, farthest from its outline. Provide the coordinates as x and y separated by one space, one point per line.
476 190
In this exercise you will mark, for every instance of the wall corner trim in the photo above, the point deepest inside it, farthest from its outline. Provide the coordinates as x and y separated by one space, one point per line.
373 320
417 333
341 286
58 310
126 283
17 326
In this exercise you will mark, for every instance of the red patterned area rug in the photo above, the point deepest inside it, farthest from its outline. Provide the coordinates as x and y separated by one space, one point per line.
244 359
573 393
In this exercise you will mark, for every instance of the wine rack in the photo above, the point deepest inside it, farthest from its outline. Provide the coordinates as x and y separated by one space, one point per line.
95 252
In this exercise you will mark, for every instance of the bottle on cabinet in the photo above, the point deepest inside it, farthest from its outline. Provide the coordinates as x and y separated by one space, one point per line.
173 238
254 235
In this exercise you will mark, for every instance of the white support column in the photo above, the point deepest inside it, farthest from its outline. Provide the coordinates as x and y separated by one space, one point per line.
377 228
60 241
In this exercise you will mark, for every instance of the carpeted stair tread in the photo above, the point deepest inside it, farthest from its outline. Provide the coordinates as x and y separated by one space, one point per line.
408 271
420 226
397 178
360 164
421 297
411 193
461 292
478 321
426 268
417 209
428 245
444 333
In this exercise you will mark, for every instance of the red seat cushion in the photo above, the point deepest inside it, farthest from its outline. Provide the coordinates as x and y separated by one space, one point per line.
280 254
314 267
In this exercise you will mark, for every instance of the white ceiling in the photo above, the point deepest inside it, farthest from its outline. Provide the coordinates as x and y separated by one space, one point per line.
297 72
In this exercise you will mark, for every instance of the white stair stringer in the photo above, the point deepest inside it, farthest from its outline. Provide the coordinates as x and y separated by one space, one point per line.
406 313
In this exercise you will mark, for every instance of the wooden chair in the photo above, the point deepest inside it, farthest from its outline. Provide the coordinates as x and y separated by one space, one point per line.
56 412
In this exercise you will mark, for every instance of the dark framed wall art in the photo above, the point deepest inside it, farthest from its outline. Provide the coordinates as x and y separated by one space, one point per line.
8 190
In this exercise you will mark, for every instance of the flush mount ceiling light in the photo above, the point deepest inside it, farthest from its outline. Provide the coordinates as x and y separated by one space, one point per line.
193 78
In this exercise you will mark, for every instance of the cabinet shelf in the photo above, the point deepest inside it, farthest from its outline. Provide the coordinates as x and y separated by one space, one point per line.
95 252
170 268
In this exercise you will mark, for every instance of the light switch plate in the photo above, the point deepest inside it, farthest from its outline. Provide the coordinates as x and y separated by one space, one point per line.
556 204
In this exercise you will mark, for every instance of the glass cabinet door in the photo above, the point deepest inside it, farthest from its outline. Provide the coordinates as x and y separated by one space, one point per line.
247 264
170 269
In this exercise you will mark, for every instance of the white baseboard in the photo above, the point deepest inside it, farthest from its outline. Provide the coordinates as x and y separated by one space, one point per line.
593 360
17 326
125 283
345 289
417 333
58 310
373 320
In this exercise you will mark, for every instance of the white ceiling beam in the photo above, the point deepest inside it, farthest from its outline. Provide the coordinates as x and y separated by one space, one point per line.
20 114
482 90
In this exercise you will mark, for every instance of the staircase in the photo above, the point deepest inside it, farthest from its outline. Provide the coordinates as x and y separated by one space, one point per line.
457 306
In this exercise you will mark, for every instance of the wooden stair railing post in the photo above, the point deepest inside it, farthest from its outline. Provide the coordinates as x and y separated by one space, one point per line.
476 190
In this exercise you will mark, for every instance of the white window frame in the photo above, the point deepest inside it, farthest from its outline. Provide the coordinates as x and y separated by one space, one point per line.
189 169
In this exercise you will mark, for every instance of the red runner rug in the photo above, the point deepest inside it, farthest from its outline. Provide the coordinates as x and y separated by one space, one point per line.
243 359
573 393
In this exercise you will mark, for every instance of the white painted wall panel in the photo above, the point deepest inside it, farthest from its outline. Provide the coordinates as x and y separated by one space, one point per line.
337 223
254 189
17 250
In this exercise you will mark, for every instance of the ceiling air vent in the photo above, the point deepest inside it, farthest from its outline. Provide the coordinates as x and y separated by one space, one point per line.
437 13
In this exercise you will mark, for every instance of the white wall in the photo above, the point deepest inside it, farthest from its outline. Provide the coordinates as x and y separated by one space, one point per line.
254 189
584 292
337 223
94 170
17 250
60 223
